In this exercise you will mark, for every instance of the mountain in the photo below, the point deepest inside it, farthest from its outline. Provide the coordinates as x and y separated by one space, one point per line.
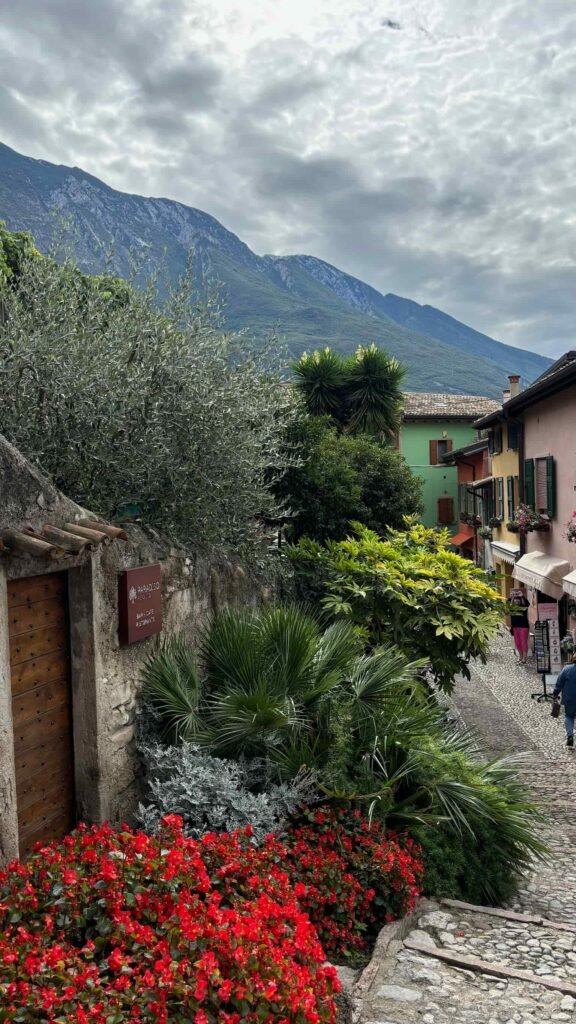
309 302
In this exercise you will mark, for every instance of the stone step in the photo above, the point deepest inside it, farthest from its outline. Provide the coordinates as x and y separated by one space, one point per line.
456 964
545 949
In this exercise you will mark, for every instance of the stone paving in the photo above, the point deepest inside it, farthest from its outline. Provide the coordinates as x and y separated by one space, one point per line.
457 965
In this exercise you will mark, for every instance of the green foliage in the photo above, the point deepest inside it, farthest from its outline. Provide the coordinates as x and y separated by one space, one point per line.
265 689
482 861
361 393
15 249
279 688
339 478
408 590
125 404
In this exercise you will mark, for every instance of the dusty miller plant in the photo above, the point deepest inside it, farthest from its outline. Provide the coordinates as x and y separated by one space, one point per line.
215 795
124 403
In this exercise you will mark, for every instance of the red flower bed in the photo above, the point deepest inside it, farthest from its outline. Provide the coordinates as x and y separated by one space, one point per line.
351 877
112 927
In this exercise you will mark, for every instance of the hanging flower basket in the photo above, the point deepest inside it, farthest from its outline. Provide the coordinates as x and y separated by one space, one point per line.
571 529
526 520
512 527
472 520
495 522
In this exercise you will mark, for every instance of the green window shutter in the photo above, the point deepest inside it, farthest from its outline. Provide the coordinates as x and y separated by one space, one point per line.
500 508
510 484
550 486
513 436
529 495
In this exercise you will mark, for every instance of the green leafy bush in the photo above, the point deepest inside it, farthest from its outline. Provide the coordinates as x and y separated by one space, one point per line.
409 590
338 478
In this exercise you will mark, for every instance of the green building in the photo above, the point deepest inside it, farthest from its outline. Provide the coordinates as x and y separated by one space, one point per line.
432 425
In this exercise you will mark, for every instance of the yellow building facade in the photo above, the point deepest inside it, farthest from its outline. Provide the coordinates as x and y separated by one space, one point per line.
504 443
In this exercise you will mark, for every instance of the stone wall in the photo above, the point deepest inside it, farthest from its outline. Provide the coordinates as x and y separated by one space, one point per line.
194 587
105 675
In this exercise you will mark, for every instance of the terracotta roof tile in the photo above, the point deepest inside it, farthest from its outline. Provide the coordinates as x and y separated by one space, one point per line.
430 405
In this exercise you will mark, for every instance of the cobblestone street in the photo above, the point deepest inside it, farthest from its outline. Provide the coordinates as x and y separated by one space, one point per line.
458 964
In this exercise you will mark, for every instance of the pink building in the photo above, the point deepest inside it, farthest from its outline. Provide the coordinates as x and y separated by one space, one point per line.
547 412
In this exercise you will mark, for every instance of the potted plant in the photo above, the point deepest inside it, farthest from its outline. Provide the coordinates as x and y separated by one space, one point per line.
494 522
526 520
571 528
485 532
472 520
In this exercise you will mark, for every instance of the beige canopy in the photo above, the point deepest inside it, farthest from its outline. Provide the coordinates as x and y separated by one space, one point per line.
569 584
505 552
543 572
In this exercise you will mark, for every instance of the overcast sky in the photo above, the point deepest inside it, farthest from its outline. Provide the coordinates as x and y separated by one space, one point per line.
425 146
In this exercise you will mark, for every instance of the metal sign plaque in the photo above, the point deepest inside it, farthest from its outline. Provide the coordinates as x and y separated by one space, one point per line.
140 603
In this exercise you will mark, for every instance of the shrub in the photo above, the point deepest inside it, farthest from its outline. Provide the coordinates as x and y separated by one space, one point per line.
350 877
115 926
214 795
467 866
408 589
340 478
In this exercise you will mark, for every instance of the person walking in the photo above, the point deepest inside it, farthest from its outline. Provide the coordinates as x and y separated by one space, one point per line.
519 627
566 685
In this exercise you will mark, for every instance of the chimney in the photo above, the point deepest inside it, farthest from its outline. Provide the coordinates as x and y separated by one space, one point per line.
514 379
506 395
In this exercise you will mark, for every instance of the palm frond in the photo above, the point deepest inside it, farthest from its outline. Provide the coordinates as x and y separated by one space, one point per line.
320 379
230 651
172 686
374 392
288 639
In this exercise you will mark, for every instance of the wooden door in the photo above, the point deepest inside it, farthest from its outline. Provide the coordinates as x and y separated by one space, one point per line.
41 707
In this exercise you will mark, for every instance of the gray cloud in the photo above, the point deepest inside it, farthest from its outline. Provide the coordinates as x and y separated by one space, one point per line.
430 151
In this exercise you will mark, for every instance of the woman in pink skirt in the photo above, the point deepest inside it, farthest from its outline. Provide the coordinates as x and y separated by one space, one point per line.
519 606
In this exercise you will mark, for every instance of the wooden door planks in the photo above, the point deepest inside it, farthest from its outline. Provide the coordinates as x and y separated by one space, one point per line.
41 707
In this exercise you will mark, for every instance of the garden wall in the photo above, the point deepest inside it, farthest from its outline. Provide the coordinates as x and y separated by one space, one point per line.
96 713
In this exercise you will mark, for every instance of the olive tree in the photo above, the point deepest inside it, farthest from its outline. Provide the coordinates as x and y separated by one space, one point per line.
124 403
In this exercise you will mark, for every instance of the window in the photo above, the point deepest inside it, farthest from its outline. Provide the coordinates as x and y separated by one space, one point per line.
513 436
445 511
511 503
545 485
439 448
500 497
495 441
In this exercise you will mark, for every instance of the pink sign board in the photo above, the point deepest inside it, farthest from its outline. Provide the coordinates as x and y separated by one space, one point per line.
548 611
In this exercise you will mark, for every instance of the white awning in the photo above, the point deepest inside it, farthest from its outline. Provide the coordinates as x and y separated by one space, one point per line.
505 552
569 584
543 572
